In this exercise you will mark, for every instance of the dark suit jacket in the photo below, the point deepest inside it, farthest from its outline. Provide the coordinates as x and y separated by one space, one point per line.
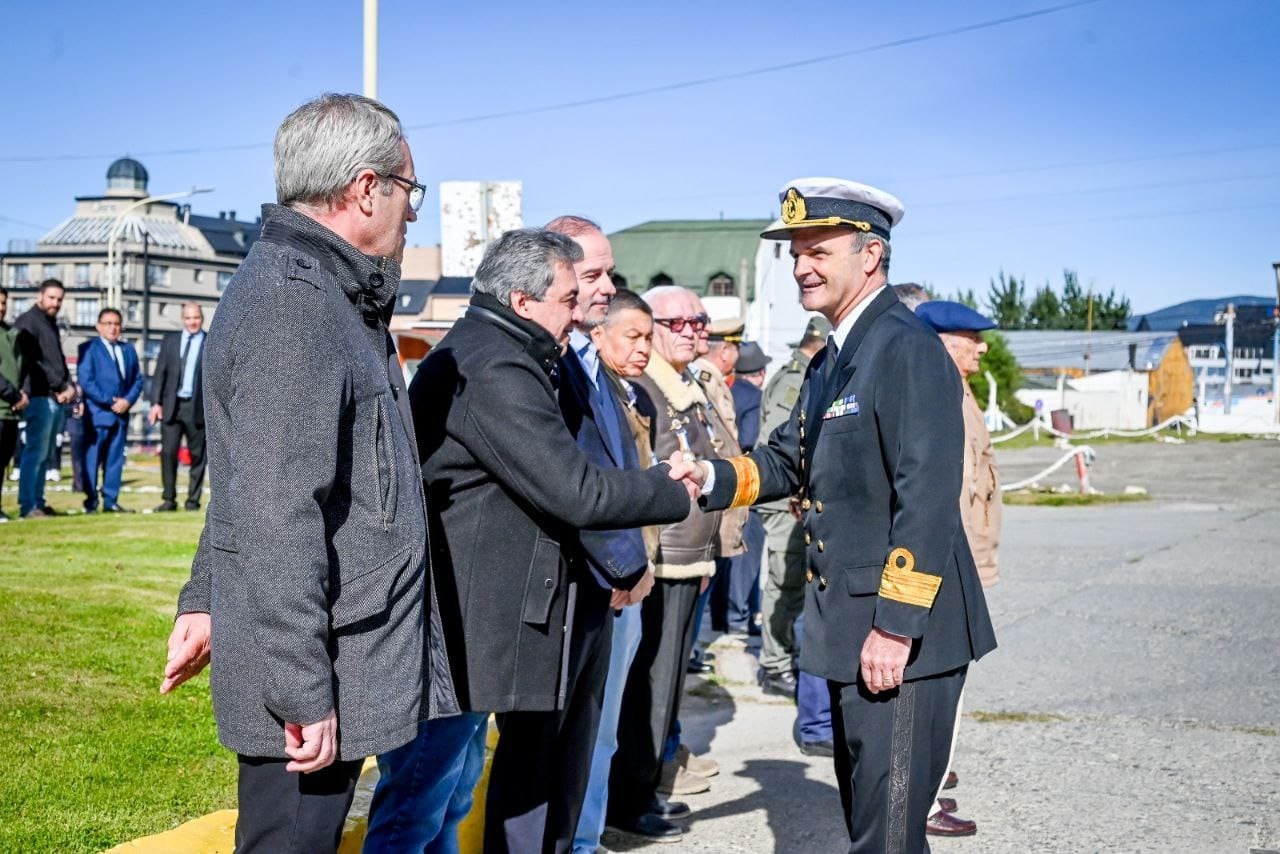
167 379
508 491
623 549
746 410
875 447
99 376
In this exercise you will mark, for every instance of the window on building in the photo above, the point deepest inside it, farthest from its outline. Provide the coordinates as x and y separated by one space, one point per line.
86 311
50 271
162 309
197 275
157 274
224 279
659 280
20 305
1204 352
20 274
619 280
84 276
721 285
133 311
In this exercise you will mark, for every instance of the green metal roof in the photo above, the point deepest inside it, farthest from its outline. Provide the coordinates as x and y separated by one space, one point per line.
689 251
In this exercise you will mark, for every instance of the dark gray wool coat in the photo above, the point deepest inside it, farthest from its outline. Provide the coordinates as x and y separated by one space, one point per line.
312 562
508 492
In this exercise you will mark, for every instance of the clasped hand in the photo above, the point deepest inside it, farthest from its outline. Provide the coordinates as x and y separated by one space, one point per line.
690 472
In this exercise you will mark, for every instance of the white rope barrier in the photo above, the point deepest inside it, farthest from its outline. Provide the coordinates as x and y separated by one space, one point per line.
1043 424
1086 454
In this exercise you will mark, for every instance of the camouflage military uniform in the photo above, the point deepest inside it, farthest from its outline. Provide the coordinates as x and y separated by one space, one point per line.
783 598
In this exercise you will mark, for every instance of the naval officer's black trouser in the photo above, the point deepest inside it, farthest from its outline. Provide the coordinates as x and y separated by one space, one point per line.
891 752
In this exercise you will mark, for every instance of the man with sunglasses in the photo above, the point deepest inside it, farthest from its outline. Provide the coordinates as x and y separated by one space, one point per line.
307 590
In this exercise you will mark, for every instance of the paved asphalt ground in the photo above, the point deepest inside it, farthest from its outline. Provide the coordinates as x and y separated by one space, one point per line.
1133 704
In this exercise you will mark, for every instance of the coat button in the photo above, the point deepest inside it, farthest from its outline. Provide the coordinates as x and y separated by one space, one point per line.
808 576
818 506
806 504
802 458
822 582
801 432
375 279
821 546
548 583
303 263
807 538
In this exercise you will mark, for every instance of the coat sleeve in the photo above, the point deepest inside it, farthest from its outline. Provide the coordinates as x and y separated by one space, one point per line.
9 392
278 483
921 428
134 391
769 472
516 432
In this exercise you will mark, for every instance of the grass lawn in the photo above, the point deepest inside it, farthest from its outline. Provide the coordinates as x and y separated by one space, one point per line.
86 604
1041 498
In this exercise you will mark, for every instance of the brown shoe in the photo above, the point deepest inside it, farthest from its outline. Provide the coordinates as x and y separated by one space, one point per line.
945 824
700 765
947 804
677 781
952 780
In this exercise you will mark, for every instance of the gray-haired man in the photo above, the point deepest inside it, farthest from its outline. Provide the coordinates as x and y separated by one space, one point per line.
309 579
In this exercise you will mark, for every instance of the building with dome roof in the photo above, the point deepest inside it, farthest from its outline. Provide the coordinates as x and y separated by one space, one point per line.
168 256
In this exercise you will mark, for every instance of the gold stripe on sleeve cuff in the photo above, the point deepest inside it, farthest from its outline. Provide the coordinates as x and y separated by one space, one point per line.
901 583
748 488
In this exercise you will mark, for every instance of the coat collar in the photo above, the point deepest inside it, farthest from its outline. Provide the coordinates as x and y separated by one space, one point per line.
369 282
535 340
677 387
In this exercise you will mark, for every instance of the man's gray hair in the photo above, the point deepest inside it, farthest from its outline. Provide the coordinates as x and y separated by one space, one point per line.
662 293
574 226
910 294
324 144
524 259
862 238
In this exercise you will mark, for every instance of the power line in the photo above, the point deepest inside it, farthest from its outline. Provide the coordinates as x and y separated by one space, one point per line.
617 96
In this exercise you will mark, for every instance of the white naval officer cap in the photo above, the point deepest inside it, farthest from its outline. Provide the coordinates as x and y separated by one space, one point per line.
834 202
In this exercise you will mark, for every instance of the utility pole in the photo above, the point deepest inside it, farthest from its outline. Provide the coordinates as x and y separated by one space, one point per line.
1231 358
146 300
1088 333
371 48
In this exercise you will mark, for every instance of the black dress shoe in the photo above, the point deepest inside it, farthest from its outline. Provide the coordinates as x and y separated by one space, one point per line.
167 507
191 506
817 748
115 508
697 668
779 684
652 827
668 809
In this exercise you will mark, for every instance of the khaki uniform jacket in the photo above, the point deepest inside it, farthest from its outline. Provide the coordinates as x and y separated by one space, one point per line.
980 504
725 425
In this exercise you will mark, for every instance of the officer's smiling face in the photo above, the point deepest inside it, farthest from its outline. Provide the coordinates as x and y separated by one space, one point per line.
832 277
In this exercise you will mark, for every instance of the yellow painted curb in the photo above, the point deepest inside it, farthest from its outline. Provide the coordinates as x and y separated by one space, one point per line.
215 833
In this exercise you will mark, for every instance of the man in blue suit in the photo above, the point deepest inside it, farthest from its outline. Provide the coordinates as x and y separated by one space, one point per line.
112 381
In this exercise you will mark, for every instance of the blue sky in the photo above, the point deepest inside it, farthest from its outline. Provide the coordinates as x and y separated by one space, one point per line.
1136 142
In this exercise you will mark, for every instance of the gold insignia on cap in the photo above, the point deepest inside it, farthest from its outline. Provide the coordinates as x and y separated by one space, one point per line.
793 208
901 583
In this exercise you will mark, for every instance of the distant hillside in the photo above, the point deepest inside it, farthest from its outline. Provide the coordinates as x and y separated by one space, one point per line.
1190 312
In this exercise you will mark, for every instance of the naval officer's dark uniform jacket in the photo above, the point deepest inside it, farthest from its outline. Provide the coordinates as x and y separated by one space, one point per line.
875 449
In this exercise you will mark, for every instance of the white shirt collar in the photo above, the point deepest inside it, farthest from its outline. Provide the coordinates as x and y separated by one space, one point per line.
841 332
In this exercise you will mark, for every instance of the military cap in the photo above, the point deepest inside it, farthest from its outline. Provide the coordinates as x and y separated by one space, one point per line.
751 359
815 202
947 316
728 330
817 330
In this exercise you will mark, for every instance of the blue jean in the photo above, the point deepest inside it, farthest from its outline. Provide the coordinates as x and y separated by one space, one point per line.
44 420
813 701
626 640
426 787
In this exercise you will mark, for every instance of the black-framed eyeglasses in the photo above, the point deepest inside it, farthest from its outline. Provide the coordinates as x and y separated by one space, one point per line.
417 192
677 324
